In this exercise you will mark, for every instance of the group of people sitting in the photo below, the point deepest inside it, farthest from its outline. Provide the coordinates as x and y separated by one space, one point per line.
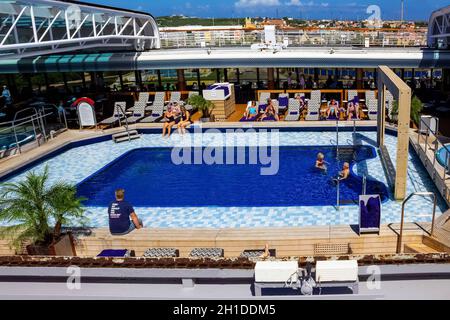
332 110
253 112
335 111
322 165
176 114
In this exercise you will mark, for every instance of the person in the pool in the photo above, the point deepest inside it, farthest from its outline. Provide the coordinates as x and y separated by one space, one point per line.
122 217
345 173
320 162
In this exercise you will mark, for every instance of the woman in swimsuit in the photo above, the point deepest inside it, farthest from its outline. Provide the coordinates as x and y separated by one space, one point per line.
352 109
270 111
332 109
170 116
185 120
251 110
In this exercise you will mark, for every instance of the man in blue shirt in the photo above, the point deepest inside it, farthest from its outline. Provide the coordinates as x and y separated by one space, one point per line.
122 218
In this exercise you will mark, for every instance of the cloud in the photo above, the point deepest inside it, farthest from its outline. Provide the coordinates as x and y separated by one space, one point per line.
298 3
257 3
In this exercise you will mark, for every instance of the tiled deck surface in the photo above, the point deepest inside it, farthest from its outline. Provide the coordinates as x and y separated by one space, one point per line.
79 163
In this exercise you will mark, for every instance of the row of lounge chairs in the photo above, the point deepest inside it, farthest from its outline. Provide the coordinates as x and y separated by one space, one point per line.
175 253
292 106
143 106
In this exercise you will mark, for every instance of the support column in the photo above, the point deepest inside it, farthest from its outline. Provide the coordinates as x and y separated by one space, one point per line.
66 86
121 80
217 75
181 80
160 84
238 76
359 79
316 76
297 73
138 79
83 80
47 84
381 116
258 78
445 80
225 75
198 81
278 78
270 79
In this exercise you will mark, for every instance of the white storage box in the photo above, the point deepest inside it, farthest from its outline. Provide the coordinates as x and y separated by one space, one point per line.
217 92
276 271
337 271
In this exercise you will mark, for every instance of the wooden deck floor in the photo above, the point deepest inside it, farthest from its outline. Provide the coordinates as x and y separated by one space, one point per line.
287 241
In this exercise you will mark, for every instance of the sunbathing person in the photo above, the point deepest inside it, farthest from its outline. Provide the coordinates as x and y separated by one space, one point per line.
251 111
184 121
122 218
270 112
167 126
352 109
333 109
320 162
345 173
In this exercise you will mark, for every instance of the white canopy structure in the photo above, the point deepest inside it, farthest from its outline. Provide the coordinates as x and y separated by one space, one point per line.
439 29
38 27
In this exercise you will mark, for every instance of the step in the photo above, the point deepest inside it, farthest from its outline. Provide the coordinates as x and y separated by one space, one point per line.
123 134
418 248
126 138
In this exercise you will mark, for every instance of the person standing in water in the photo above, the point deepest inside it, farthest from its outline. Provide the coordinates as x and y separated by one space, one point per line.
320 162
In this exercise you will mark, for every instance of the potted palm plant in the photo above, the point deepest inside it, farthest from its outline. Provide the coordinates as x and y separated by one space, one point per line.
205 107
416 111
32 207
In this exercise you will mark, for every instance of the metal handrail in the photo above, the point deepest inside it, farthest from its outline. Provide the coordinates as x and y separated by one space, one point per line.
436 143
364 187
422 194
126 122
37 116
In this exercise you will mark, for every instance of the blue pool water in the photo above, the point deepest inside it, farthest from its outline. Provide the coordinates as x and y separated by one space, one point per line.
151 179
442 155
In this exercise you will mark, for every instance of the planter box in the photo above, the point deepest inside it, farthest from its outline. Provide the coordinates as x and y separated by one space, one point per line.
64 247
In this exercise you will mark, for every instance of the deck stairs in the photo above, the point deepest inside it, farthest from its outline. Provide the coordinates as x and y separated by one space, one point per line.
126 135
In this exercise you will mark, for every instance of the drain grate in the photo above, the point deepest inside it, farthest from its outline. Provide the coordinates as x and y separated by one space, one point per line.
331 248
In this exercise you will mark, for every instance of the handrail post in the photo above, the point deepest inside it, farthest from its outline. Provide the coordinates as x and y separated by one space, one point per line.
402 220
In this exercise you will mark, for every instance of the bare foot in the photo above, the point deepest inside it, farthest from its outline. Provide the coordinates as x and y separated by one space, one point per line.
266 253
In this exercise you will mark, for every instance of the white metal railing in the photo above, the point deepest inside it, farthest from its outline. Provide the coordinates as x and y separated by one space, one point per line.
37 120
49 26
422 194
301 38
425 146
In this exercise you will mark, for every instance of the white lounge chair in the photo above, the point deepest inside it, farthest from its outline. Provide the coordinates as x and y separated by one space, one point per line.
142 98
175 96
372 105
118 115
138 113
157 115
314 106
157 101
293 113
263 97
389 103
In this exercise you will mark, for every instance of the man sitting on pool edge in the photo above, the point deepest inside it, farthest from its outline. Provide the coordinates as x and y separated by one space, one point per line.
120 212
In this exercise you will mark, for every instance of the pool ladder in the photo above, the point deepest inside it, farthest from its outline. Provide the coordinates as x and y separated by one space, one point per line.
126 135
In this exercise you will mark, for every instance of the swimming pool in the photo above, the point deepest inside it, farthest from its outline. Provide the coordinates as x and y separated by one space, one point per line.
81 161
442 155
150 178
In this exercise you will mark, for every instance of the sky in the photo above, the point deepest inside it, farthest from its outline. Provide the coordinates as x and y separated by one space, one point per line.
305 9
